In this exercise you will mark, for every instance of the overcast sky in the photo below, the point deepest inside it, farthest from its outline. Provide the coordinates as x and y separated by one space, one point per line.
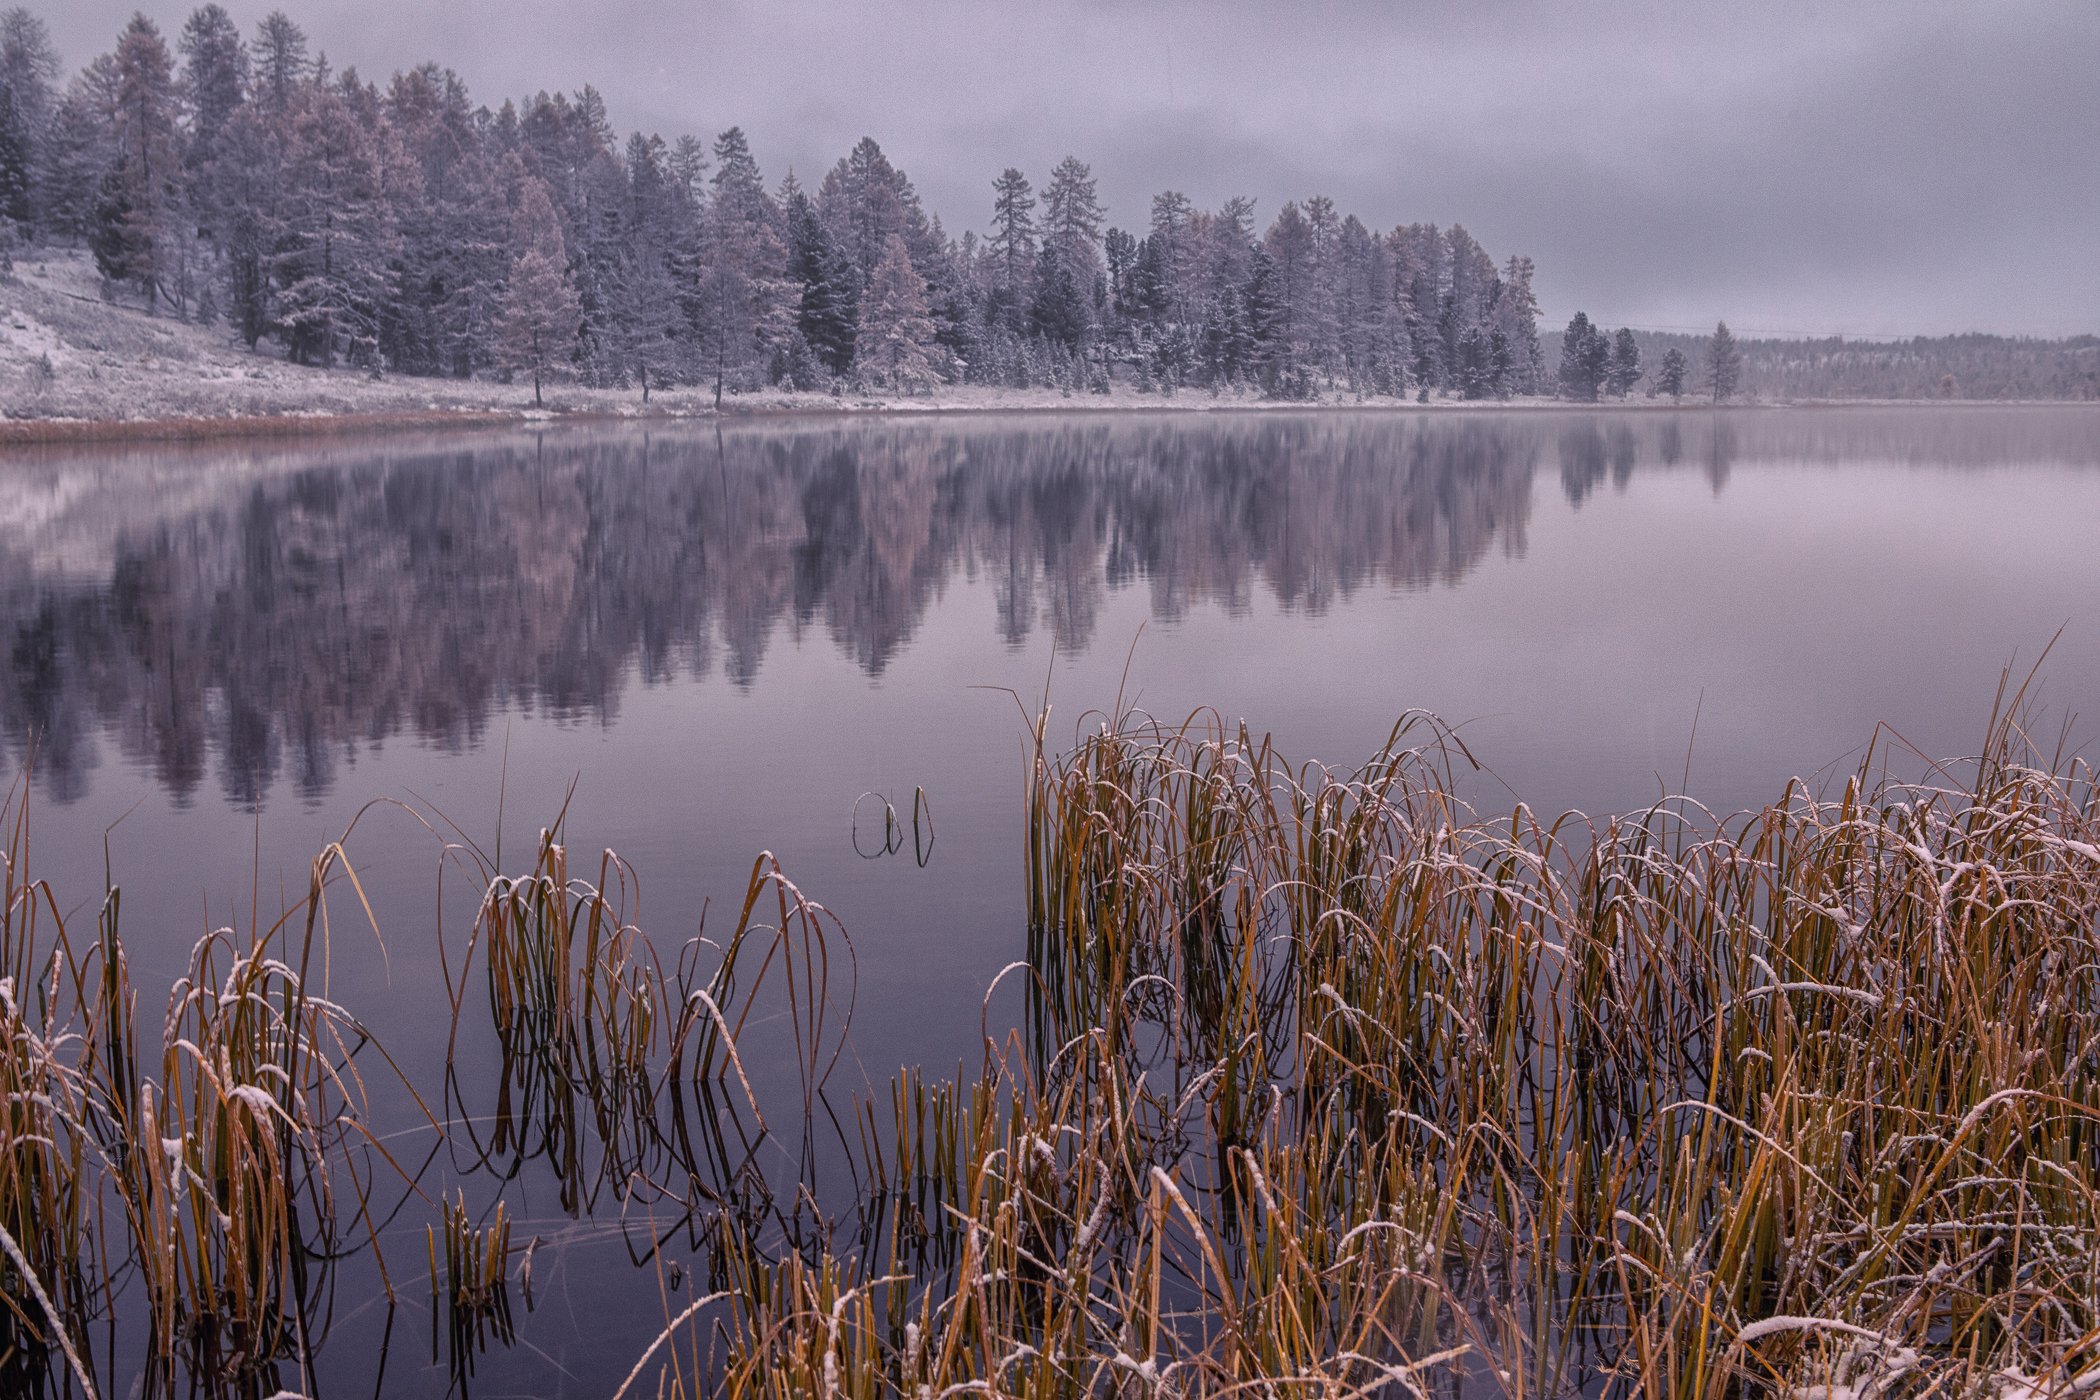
1877 166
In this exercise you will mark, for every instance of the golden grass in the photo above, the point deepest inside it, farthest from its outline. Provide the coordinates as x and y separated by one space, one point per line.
1322 1085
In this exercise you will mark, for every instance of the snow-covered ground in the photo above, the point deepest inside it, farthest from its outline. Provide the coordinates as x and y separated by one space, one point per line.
69 353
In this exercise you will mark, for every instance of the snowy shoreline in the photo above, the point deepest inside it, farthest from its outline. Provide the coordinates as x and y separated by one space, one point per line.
77 368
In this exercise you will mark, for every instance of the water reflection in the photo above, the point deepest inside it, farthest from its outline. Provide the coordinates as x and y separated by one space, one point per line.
267 614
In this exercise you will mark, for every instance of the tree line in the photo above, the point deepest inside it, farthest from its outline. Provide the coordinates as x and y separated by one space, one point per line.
405 228
1595 366
1772 368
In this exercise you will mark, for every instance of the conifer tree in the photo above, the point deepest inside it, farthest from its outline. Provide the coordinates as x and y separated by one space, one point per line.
1266 318
1012 248
17 159
1724 364
1059 311
865 199
28 75
741 309
214 81
336 235
1670 377
1625 371
1585 360
279 61
1072 218
824 307
1171 240
896 346
1516 316
540 317
135 233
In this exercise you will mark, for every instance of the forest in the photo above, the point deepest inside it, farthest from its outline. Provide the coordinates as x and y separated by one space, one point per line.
243 183
407 229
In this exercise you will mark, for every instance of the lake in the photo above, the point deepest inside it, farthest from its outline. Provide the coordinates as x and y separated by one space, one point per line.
696 644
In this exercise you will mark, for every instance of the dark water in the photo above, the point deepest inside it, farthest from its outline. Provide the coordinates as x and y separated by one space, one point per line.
218 656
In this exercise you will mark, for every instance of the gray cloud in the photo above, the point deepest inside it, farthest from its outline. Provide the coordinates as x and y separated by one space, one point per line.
1880 167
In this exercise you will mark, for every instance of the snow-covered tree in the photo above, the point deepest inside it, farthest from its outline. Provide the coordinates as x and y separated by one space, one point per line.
864 199
536 328
742 309
1625 370
1585 360
896 346
1516 316
279 60
335 236
1670 376
28 84
1072 218
1012 248
136 233
1724 364
214 81
825 308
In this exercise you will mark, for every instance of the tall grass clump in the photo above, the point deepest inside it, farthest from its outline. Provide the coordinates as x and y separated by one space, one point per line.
1327 1085
188 1187
1302 1082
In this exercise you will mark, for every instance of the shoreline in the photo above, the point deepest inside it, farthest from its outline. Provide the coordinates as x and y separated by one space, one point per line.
58 431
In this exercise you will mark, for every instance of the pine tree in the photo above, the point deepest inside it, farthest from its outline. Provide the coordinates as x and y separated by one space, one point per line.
17 160
1625 371
1121 251
864 199
1265 318
1476 365
1516 315
1585 360
336 237
541 315
1072 217
643 300
280 61
1670 378
135 233
1503 357
824 307
28 72
1724 364
1012 245
244 186
896 331
741 308
214 82
455 229
1171 240
1059 311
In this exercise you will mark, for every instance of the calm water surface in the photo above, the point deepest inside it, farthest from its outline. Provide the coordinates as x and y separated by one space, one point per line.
216 657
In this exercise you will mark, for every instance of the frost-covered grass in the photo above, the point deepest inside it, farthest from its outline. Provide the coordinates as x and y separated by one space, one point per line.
1328 1086
1300 1083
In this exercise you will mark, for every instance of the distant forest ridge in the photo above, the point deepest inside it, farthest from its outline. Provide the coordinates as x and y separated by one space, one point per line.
1968 366
239 180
